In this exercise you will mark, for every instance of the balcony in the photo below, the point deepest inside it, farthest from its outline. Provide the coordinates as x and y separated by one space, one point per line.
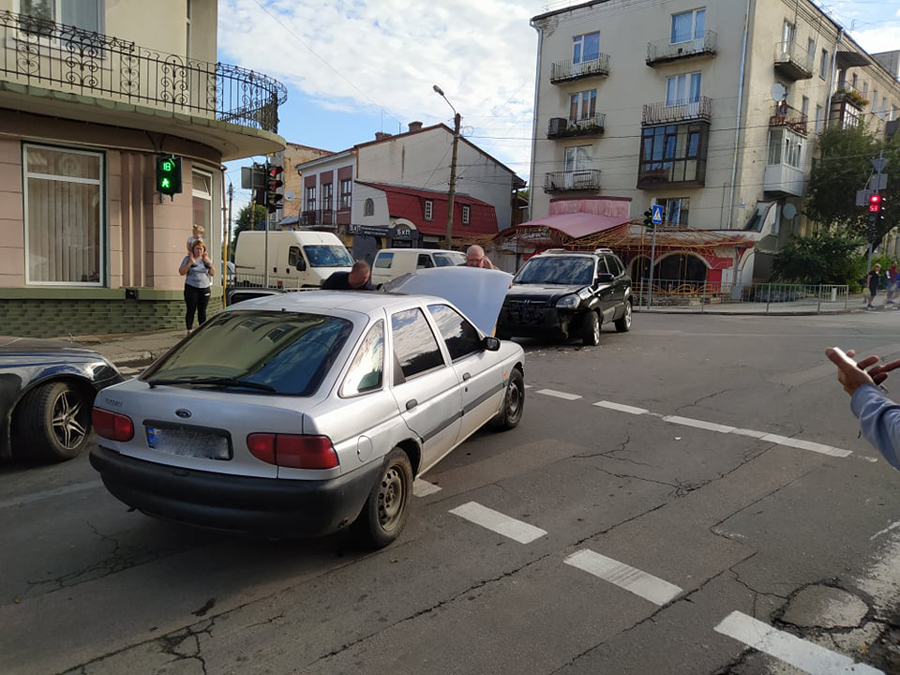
53 69
663 51
784 115
584 180
566 71
560 127
782 179
663 113
793 61
846 92
321 218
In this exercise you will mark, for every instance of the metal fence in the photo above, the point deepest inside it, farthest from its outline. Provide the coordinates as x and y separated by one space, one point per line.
764 298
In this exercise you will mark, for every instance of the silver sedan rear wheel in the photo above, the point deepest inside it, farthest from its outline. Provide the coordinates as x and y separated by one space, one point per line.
387 508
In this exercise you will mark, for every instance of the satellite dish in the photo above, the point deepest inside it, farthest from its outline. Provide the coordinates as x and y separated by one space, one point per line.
289 195
778 91
789 211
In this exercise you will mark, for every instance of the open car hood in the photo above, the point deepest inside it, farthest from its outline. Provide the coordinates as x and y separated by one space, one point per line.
479 293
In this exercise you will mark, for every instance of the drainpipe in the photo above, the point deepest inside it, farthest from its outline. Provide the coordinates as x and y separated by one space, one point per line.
737 123
534 128
834 52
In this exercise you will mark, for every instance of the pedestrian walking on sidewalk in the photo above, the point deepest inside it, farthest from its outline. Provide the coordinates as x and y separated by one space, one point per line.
197 270
893 278
871 285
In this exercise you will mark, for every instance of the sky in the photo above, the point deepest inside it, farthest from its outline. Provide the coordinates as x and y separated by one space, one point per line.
355 67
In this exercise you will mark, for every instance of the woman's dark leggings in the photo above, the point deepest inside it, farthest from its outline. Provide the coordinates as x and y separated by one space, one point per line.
196 300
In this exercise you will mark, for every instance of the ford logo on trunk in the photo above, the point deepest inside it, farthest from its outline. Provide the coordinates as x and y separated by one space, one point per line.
183 413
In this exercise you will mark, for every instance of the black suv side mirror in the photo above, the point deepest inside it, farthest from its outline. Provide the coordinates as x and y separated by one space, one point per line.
604 278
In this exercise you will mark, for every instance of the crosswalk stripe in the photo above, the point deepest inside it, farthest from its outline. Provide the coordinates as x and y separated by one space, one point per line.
622 408
558 394
631 579
422 488
807 656
498 522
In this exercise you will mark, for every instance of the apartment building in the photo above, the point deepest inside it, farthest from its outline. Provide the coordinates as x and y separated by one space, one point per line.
710 112
393 191
92 95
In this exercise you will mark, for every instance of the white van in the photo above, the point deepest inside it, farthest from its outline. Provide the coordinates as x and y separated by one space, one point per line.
296 259
391 263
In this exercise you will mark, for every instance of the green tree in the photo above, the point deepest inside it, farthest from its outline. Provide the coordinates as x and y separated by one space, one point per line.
827 257
250 217
845 166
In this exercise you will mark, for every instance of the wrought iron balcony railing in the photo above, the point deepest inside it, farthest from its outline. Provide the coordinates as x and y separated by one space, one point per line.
793 61
663 51
36 52
847 92
572 181
319 218
560 127
564 71
679 111
786 116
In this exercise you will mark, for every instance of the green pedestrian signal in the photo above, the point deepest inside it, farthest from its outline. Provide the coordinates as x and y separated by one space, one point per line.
168 175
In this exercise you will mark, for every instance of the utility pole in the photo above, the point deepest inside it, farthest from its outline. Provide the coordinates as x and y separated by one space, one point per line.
451 195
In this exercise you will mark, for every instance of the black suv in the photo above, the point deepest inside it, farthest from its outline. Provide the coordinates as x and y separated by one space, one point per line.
561 294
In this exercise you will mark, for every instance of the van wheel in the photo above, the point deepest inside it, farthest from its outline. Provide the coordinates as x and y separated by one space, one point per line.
387 508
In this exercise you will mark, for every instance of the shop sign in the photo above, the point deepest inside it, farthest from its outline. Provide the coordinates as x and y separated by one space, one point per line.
367 230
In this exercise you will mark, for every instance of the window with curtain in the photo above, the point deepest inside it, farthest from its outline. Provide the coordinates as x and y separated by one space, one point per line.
202 204
687 26
586 48
682 89
579 158
85 14
64 228
582 105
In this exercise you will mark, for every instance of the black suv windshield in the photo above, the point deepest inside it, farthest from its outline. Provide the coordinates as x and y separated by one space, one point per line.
557 269
281 352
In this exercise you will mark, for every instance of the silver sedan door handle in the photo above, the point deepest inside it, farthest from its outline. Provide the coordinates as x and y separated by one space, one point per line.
466 376
411 403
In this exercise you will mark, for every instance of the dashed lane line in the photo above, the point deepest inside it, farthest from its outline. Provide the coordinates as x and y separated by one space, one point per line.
49 494
656 590
498 522
765 436
559 394
807 656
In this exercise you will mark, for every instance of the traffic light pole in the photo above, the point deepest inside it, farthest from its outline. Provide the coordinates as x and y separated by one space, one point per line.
652 258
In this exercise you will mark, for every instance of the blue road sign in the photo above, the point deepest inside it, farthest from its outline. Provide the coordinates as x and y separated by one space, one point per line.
657 216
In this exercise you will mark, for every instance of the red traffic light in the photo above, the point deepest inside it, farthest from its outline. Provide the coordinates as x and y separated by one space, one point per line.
272 177
875 203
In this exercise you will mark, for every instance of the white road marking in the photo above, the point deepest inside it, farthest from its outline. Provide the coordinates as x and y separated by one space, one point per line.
48 494
806 445
699 424
422 488
529 386
647 586
558 394
806 656
622 408
750 432
892 526
498 522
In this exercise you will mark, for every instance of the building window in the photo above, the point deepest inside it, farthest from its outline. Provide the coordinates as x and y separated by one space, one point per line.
583 105
311 198
429 209
187 35
854 81
369 207
811 50
884 104
804 108
201 194
675 209
823 64
820 119
688 26
327 196
64 228
674 153
788 33
586 48
84 14
466 213
785 147
579 158
682 89
346 194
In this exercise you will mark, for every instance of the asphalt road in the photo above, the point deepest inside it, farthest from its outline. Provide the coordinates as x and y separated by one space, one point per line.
690 497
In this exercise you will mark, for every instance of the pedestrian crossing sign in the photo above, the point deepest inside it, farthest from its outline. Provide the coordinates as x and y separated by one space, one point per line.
657 216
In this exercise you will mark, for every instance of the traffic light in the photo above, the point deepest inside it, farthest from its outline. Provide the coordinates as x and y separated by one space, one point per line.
273 185
876 203
648 218
168 175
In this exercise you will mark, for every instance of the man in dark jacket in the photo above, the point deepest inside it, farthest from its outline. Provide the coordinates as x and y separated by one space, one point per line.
357 279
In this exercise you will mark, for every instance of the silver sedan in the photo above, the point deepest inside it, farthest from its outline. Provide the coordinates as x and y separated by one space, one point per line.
305 413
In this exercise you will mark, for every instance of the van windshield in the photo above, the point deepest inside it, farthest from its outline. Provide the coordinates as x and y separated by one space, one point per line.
449 259
325 255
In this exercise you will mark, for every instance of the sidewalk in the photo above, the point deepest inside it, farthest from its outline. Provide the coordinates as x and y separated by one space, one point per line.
808 307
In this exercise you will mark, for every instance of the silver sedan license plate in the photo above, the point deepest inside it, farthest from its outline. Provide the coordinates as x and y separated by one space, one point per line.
188 443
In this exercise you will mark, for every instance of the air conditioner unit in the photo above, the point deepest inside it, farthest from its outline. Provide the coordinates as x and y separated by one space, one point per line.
557 126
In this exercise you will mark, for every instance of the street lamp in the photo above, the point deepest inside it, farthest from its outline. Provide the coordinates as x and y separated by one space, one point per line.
452 193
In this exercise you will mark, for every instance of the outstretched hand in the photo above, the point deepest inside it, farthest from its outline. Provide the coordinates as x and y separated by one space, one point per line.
852 374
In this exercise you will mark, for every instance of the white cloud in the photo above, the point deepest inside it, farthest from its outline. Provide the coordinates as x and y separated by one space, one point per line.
388 53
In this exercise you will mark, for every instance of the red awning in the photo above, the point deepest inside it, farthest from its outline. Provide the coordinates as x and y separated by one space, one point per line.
577 225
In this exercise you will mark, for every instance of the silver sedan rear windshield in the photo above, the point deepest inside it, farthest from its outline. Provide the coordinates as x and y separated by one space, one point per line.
287 353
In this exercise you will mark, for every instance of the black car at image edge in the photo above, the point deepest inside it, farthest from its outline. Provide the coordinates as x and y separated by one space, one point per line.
561 294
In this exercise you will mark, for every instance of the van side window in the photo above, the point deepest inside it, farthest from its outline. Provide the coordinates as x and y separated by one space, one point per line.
424 261
295 259
384 260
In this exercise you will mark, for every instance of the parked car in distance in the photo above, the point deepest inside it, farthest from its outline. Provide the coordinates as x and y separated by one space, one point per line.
391 263
300 414
47 388
562 294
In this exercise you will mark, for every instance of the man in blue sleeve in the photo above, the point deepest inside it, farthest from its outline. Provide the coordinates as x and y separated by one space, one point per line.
879 416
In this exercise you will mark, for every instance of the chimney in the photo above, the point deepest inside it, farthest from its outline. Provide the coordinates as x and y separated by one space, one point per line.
414 127
381 135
